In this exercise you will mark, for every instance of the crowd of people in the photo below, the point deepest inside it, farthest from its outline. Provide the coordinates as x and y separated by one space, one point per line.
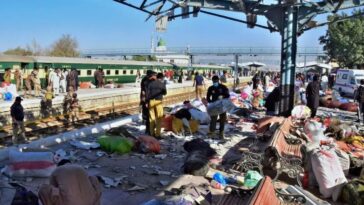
58 80
153 89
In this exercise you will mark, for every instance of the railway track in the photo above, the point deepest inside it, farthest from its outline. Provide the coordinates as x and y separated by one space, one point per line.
61 123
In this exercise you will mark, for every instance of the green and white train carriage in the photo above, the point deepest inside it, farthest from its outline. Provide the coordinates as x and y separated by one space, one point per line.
118 71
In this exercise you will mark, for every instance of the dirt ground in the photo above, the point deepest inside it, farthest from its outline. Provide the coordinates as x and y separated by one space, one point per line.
141 177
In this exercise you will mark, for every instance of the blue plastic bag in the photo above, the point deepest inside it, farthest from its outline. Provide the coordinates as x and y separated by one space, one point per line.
8 96
219 178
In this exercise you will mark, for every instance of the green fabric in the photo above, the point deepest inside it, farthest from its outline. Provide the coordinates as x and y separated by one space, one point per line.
116 144
252 178
353 192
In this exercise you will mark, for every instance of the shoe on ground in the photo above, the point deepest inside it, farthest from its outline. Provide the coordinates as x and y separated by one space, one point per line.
222 135
210 134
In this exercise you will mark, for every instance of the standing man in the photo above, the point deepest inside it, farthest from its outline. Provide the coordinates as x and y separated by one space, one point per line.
313 95
100 78
36 81
199 85
360 98
223 78
155 91
96 73
324 82
266 81
143 103
62 81
72 79
17 115
18 75
7 76
50 77
54 80
215 92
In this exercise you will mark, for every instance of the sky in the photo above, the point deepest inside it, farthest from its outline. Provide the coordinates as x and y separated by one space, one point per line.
105 24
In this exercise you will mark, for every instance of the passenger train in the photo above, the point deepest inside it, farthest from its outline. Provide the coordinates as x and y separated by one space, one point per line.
117 71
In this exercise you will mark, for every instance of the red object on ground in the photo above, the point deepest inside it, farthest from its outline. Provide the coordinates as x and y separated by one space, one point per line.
327 122
334 104
167 123
84 85
149 144
351 107
305 180
3 84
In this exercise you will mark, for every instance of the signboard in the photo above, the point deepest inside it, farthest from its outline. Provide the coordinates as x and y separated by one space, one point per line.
161 23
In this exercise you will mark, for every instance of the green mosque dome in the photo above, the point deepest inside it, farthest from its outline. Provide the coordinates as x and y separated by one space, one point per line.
161 42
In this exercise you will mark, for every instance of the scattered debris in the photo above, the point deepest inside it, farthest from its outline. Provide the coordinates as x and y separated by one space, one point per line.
164 182
84 145
160 156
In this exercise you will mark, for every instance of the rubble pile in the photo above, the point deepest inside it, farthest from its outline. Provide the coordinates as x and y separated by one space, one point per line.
296 160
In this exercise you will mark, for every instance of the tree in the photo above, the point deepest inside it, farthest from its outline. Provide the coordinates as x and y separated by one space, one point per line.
35 48
344 40
144 58
66 46
19 51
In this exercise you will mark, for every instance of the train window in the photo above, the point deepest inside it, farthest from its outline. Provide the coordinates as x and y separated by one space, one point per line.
108 72
89 72
124 72
116 72
345 76
131 72
79 72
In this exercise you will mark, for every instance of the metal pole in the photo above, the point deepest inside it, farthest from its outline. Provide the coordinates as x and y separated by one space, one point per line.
236 71
288 60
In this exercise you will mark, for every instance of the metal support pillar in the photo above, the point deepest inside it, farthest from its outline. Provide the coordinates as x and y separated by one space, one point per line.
236 76
191 60
288 60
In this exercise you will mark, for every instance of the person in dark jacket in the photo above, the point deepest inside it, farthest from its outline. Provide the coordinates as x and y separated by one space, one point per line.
215 92
313 95
144 105
154 96
17 115
360 98
72 79
272 101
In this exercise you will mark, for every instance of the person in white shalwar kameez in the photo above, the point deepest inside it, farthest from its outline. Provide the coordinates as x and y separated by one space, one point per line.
62 81
54 79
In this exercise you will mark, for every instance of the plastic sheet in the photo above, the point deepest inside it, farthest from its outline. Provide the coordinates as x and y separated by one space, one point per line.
220 106
30 164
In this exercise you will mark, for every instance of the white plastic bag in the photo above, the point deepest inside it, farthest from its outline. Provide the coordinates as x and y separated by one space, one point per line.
315 131
328 172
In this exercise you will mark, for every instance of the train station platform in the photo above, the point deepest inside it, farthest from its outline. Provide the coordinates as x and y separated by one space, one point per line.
90 100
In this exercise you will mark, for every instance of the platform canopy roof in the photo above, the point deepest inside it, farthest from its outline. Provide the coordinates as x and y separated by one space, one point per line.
252 64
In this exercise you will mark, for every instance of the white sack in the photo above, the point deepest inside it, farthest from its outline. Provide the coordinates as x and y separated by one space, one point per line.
30 164
328 171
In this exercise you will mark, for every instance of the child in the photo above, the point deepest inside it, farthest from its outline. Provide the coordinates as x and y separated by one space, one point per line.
74 108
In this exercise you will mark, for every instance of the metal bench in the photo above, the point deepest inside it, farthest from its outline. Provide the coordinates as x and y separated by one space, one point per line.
264 193
285 152
282 154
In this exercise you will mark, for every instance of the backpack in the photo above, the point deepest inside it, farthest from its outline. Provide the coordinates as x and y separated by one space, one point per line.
353 192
